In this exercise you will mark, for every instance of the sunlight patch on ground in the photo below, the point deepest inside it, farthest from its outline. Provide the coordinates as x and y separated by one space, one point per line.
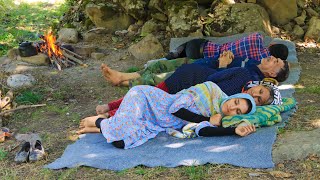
221 148
316 123
175 145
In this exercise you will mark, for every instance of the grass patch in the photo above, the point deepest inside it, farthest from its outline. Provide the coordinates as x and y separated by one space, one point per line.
25 21
311 89
3 154
195 172
29 97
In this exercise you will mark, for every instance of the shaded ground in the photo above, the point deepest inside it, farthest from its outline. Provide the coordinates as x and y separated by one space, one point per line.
73 94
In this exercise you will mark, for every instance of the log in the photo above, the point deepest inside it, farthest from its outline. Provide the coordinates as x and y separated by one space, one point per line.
70 52
65 53
22 107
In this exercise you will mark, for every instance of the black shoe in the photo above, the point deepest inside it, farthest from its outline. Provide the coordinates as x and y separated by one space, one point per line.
37 152
23 154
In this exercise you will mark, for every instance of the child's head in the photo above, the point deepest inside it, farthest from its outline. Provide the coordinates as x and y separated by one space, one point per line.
264 92
238 104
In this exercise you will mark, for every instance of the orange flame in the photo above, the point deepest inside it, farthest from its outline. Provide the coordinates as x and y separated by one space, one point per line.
50 46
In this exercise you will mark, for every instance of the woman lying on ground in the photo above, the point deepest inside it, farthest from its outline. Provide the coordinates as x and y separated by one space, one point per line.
231 81
146 111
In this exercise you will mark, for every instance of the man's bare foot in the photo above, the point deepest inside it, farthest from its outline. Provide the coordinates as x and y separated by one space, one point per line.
88 130
111 75
88 122
102 109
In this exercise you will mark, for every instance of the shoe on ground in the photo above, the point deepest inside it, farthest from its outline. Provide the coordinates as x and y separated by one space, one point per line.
37 152
23 154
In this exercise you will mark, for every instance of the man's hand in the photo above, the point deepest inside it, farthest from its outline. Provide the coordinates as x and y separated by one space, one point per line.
216 119
245 130
225 59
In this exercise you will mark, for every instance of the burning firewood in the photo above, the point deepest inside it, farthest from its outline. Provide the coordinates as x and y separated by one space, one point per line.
59 56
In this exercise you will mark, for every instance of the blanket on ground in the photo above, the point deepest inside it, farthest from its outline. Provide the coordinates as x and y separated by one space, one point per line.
252 151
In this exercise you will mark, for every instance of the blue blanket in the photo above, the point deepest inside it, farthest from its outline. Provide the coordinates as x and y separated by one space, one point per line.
253 151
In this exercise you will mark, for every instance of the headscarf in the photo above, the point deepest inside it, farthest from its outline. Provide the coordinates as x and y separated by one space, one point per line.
209 98
272 84
242 96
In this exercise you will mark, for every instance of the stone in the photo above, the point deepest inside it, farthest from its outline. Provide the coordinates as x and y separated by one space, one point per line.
97 56
18 68
4 60
204 2
298 31
121 33
183 17
316 2
313 31
151 26
311 12
133 29
107 17
296 145
160 17
68 35
156 6
136 8
287 27
281 12
84 50
13 53
39 59
19 81
237 18
301 3
300 19
148 48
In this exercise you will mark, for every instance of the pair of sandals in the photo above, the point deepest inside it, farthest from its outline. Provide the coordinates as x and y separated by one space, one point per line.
30 152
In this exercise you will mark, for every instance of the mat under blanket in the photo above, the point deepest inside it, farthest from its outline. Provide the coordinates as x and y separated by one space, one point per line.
253 151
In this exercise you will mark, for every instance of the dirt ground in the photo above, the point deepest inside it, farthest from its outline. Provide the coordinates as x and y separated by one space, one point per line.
73 94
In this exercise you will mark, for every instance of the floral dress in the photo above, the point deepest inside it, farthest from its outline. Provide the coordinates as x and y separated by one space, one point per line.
144 112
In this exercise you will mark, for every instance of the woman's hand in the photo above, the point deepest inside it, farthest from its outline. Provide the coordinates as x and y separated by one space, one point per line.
225 59
245 130
216 119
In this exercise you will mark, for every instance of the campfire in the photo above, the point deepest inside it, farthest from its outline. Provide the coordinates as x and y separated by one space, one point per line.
60 57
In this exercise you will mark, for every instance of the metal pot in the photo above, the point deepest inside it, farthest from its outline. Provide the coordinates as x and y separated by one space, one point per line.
26 49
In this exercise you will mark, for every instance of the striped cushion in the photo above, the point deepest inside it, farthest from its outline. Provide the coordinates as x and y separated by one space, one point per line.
264 116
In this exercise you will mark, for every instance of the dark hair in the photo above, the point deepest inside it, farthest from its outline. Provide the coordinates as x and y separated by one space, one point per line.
279 51
249 106
283 73
271 92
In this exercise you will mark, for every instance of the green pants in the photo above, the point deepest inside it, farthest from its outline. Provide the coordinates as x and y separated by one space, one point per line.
159 71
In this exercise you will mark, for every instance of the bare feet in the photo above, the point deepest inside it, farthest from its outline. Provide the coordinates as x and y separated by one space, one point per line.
88 130
88 122
111 75
102 109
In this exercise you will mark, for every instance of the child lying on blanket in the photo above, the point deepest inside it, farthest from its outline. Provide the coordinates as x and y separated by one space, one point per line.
264 116
146 111
264 92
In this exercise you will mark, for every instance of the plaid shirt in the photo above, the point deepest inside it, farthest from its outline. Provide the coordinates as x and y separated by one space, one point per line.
250 47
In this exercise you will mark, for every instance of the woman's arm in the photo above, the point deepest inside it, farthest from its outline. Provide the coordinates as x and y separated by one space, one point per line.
221 131
190 116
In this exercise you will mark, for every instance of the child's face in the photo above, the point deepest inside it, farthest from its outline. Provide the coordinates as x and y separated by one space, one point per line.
260 94
235 106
